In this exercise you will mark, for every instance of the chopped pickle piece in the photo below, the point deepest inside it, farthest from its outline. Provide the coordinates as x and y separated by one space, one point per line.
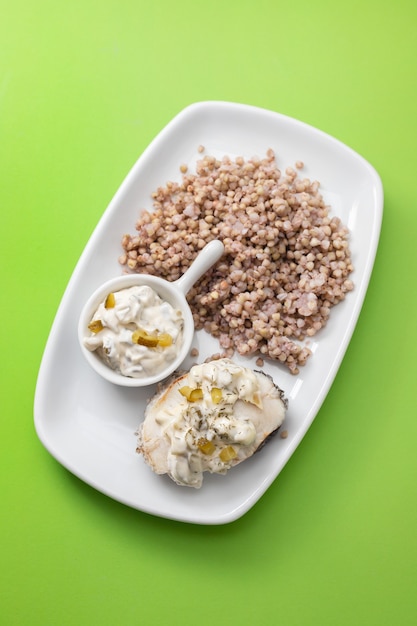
185 391
110 301
192 395
142 338
95 326
228 454
164 340
216 395
205 446
196 394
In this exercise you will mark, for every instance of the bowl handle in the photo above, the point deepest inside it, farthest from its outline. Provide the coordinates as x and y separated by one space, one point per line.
208 256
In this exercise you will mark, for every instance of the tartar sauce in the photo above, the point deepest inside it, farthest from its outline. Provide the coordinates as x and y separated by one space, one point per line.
135 332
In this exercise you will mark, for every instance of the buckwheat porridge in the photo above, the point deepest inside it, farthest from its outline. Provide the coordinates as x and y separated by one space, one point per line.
287 260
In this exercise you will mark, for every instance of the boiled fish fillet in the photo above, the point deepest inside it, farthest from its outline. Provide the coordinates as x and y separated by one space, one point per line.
208 420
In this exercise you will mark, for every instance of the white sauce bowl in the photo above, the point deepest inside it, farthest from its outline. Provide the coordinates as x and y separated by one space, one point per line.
172 292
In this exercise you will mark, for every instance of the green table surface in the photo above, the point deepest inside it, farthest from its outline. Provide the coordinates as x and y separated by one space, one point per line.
84 87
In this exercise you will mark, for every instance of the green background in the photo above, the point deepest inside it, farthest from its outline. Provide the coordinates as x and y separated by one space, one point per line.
84 87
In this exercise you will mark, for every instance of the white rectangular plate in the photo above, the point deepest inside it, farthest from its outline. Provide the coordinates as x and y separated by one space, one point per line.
88 425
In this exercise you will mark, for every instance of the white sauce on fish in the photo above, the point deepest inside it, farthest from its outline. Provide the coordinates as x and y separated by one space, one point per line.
196 428
138 307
